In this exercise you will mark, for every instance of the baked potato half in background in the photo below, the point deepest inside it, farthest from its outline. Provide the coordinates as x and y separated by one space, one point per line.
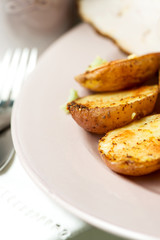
134 149
100 113
120 74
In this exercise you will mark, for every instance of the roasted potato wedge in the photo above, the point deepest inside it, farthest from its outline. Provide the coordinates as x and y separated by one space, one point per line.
100 113
120 74
134 149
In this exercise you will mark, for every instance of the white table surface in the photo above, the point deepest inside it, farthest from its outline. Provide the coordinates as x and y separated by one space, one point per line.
25 211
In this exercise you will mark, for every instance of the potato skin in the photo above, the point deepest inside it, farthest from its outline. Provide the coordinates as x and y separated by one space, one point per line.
131 168
138 150
100 120
121 74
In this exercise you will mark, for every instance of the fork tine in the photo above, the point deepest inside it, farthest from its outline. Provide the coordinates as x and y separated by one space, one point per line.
4 69
32 61
11 75
27 63
14 67
20 73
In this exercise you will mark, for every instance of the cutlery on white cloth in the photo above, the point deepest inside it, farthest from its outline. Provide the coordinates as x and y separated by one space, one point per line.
21 202
14 68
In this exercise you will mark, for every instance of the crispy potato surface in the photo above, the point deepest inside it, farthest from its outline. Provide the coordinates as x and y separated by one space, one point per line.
120 74
100 113
134 149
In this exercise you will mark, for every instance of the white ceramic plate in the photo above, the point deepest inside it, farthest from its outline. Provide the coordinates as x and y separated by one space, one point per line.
63 159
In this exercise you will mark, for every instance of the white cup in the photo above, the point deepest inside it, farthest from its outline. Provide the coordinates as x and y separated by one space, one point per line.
40 15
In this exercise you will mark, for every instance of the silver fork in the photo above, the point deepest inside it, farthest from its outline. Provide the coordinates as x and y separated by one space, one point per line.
14 68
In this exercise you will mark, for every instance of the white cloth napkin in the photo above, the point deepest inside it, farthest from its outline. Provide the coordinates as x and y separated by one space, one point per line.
27 213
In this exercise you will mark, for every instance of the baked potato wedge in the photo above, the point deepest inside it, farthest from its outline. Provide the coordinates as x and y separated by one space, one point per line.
134 149
100 113
120 74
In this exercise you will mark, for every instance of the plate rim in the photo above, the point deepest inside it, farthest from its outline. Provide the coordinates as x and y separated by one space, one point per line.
111 228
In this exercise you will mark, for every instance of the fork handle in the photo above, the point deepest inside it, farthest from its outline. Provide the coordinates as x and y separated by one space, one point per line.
5 118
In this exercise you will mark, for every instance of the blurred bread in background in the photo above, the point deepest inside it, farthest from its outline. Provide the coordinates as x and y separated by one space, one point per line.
134 25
